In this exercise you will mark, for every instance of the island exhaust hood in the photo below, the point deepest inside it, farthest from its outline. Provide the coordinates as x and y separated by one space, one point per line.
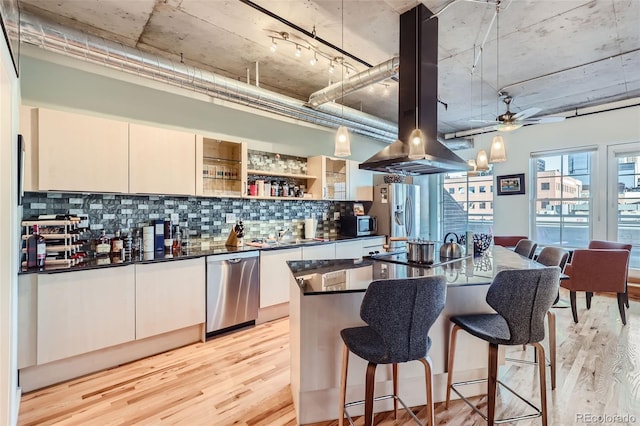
418 103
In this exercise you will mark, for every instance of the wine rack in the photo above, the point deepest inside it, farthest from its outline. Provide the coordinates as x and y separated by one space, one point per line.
62 241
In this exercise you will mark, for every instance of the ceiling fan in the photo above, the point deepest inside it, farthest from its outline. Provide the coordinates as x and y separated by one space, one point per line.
509 121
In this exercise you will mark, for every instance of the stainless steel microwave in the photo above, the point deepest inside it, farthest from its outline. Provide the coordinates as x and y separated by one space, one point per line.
357 226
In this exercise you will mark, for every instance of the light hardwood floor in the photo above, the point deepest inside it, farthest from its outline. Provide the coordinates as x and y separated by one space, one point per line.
242 379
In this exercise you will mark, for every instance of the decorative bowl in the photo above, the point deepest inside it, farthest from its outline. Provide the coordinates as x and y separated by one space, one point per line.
393 178
481 242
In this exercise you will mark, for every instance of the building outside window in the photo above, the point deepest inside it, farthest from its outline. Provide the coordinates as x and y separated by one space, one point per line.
562 214
464 209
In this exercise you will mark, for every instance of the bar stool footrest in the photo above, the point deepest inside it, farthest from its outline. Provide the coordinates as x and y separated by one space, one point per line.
380 398
538 413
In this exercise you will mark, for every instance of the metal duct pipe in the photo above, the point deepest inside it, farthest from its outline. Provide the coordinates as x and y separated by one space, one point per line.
365 78
78 45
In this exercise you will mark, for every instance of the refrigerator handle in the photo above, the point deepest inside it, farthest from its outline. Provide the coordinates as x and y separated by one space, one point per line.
408 218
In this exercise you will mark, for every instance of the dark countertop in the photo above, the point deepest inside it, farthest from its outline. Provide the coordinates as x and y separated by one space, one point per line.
354 275
196 252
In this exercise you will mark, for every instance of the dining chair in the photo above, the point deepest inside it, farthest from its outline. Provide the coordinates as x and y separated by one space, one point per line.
600 244
399 314
592 270
521 299
508 240
552 256
526 248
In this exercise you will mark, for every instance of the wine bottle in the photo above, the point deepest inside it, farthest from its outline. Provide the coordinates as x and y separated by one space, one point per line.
36 250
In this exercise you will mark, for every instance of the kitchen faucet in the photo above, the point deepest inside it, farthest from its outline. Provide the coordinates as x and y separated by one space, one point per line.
281 233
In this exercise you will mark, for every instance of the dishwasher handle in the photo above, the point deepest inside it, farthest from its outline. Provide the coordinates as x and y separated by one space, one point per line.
234 260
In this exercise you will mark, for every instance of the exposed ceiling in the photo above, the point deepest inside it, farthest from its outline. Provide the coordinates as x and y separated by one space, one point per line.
556 55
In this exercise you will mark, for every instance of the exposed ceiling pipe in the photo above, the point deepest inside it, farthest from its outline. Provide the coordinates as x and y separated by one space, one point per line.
78 45
365 78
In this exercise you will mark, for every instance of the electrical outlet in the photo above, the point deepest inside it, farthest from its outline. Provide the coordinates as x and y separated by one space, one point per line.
336 215
230 218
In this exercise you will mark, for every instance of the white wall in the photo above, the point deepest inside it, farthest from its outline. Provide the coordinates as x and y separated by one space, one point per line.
511 213
9 94
58 82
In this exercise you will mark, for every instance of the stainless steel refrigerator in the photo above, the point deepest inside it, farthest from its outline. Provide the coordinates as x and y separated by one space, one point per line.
396 206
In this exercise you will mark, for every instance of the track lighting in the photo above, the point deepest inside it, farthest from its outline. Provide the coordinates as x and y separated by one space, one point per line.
331 67
298 51
313 60
274 45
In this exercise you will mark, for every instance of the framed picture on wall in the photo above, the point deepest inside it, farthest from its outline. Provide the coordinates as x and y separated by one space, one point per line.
10 22
510 184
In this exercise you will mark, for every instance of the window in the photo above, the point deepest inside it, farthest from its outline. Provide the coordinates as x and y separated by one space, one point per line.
483 189
465 209
562 215
628 209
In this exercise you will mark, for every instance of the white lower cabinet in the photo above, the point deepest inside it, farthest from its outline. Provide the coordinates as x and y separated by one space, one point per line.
319 252
350 249
275 275
373 245
169 296
83 311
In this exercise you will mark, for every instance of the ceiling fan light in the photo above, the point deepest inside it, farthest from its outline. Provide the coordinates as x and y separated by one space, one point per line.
482 163
416 144
508 127
498 154
342 147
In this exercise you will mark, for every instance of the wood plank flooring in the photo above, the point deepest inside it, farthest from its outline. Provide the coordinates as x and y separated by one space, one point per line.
243 379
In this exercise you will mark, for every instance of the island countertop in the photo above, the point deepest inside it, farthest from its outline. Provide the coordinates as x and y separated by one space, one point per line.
316 277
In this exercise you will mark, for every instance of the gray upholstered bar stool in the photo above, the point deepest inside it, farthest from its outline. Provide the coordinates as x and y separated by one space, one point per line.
399 314
521 299
526 248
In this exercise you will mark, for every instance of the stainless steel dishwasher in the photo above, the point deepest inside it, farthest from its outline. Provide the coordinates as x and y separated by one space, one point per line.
233 291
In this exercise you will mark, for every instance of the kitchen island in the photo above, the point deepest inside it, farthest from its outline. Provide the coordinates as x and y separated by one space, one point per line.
326 297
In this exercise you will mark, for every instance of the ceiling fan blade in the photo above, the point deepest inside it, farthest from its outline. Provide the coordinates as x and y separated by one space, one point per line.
486 121
542 120
526 113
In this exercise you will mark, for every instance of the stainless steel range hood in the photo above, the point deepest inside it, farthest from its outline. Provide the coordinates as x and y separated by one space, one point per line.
418 103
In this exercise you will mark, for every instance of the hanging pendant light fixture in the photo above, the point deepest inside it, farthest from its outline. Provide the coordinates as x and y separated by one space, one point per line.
416 138
498 153
342 144
482 163
474 168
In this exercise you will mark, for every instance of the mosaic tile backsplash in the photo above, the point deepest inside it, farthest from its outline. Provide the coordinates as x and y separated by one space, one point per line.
204 217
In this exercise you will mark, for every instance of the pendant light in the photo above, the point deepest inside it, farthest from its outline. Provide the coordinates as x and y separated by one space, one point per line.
342 144
482 163
498 154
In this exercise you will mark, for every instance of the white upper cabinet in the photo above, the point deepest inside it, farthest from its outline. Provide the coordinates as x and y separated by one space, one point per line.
80 152
161 161
360 183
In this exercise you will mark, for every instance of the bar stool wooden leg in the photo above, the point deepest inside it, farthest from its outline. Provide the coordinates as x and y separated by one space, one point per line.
368 392
452 352
543 383
551 318
395 391
343 384
492 383
429 384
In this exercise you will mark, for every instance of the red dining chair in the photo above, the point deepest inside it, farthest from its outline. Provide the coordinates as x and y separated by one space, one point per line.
603 270
508 240
598 244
